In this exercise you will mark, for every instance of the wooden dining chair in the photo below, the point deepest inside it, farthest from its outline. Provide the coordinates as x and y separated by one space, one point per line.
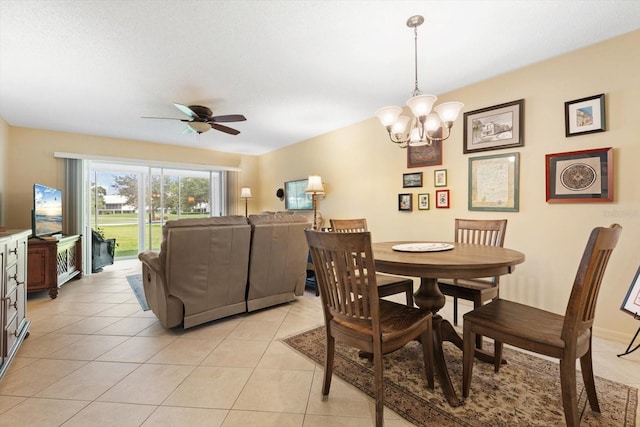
565 337
355 315
488 232
387 284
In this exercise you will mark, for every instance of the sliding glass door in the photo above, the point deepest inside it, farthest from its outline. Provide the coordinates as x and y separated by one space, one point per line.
130 203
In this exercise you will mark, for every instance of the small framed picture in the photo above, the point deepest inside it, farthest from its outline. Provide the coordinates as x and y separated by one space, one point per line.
404 202
442 198
584 115
412 180
425 155
580 176
423 201
440 178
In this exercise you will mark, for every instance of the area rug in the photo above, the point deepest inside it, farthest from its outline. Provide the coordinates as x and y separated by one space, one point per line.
135 281
526 391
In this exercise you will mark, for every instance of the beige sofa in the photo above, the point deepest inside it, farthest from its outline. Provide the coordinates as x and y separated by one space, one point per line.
278 260
203 271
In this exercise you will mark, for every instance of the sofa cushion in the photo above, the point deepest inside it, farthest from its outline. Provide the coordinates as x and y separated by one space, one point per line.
278 260
196 222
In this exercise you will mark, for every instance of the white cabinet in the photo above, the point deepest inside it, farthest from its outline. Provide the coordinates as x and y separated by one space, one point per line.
13 294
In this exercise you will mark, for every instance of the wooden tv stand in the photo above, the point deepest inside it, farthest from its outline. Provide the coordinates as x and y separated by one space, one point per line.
52 263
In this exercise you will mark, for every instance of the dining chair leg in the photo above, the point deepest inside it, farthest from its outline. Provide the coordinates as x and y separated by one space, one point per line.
455 311
477 302
586 365
468 352
497 355
569 394
427 354
378 385
410 302
328 366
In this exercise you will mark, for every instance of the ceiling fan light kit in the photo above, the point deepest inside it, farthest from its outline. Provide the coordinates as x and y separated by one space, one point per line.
200 127
426 126
203 120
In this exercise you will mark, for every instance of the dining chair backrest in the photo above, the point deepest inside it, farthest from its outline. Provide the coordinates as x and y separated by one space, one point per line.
348 293
387 284
348 225
488 232
355 315
586 286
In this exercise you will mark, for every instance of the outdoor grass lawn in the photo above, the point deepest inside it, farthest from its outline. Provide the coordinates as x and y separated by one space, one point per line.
124 228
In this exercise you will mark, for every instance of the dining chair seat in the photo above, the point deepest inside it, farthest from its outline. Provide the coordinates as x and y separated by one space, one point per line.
566 337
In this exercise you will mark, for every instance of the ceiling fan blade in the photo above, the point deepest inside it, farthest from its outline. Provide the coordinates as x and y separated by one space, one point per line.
228 118
166 118
188 111
224 129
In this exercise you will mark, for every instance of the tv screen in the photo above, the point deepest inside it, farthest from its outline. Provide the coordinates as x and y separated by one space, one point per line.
295 197
47 210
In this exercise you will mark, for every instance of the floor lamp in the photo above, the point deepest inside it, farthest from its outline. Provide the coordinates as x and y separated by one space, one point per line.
314 187
245 193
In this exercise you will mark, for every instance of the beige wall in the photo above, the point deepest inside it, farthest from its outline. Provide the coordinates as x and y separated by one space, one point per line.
29 158
363 175
4 143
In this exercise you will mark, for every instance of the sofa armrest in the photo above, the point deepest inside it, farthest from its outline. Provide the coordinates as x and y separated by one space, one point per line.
152 260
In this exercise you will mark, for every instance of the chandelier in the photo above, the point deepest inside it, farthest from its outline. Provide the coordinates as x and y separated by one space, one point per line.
426 127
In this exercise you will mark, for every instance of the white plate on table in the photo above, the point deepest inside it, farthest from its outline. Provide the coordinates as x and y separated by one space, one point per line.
422 247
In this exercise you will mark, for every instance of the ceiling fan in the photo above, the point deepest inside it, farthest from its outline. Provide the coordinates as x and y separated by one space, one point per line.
203 120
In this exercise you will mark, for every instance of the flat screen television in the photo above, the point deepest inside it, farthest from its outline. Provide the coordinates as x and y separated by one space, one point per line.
295 196
47 210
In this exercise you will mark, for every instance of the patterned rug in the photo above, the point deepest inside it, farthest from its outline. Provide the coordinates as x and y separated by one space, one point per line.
135 281
526 391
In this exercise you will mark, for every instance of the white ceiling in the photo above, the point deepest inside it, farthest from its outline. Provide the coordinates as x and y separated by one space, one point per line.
295 69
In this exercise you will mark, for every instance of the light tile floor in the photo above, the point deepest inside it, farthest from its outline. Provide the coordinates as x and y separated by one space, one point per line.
94 358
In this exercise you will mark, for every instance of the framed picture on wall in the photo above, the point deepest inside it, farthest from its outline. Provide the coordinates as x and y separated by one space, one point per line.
442 198
580 176
412 180
425 155
493 183
494 128
405 202
423 201
440 178
584 115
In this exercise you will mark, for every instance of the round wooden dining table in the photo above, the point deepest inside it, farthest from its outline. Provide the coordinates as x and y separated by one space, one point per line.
462 261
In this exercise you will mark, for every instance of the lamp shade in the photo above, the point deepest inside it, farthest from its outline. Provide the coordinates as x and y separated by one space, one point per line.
432 122
400 126
388 115
314 185
245 192
448 111
421 105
